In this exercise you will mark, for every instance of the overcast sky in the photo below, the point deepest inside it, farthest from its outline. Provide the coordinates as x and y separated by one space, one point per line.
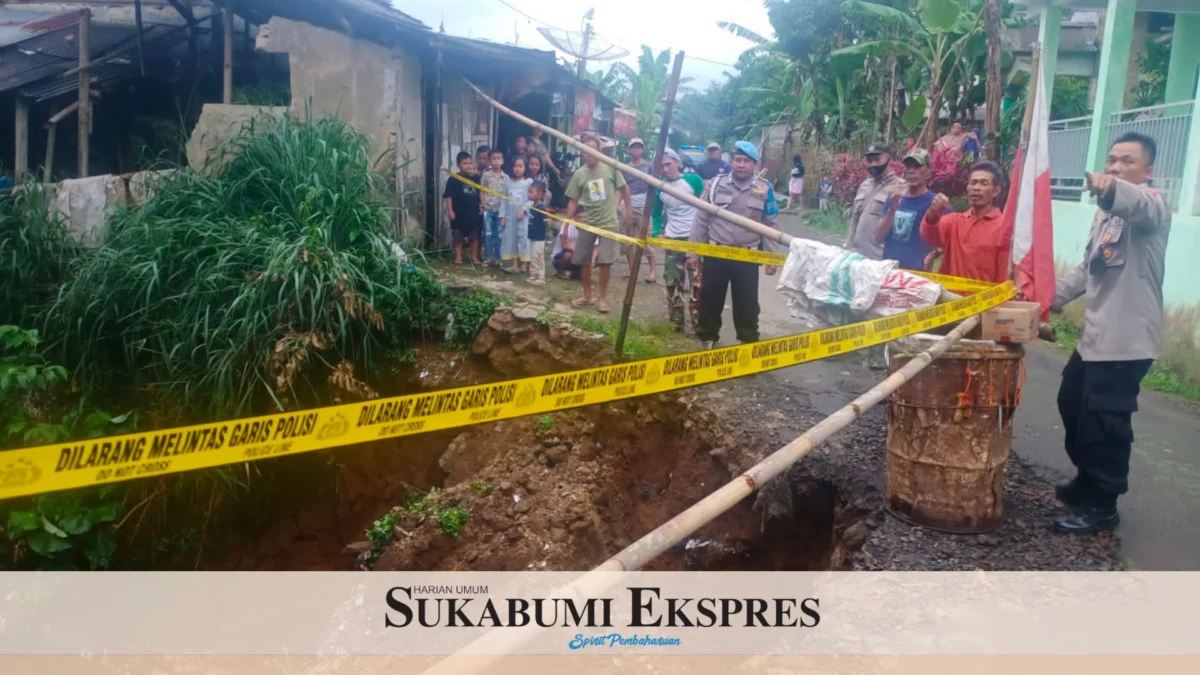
690 25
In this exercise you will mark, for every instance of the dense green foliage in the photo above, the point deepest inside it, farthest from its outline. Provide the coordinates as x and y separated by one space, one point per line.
241 292
68 530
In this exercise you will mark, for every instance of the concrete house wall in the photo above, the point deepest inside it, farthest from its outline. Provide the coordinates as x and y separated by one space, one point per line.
376 90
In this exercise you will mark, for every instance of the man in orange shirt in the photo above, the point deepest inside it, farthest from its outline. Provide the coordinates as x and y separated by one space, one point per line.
975 244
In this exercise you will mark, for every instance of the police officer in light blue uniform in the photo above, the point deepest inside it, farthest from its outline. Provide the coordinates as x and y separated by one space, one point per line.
741 193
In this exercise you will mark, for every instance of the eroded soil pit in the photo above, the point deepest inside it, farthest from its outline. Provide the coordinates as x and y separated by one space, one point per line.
557 492
568 491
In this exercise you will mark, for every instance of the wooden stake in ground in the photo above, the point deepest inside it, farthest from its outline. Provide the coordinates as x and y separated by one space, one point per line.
85 86
227 90
647 210
21 138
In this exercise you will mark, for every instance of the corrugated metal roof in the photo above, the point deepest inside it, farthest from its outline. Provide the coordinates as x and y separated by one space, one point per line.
486 49
18 25
47 55
374 20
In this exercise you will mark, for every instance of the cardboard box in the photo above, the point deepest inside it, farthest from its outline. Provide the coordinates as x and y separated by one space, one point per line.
1011 322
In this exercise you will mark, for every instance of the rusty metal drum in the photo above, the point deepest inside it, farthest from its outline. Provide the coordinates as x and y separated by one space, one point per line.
950 434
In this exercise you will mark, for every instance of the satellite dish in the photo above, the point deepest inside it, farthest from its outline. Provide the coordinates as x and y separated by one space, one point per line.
583 46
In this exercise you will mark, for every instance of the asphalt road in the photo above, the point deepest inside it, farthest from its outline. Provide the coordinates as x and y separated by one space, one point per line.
1160 527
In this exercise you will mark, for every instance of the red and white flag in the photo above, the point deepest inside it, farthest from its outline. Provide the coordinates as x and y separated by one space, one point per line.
1029 212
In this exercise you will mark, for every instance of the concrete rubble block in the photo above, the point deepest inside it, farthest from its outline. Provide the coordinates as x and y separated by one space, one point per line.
209 150
87 203
144 184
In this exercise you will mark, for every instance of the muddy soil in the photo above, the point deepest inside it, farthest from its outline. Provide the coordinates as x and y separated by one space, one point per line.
567 491
567 494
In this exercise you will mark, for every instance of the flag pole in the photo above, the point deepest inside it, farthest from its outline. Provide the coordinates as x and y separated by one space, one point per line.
1035 74
1035 78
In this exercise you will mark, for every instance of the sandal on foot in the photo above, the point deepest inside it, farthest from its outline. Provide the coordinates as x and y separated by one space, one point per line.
602 307
582 302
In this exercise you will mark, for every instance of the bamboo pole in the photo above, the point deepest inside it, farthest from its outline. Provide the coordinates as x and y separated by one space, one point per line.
85 85
768 233
500 643
686 196
642 551
647 210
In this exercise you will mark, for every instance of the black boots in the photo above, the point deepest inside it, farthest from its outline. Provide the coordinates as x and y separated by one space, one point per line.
1091 511
1088 519
1072 493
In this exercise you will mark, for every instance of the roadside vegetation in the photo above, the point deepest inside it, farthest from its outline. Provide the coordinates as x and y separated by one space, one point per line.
644 339
1177 370
276 284
832 221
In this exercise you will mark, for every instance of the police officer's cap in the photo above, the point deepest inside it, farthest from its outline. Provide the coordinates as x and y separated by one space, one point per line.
746 148
878 149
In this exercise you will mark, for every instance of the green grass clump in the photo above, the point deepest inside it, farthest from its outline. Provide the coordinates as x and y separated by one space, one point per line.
831 221
644 339
243 292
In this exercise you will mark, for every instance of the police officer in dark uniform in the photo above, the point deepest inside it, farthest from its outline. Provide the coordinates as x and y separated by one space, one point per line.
1122 277
741 193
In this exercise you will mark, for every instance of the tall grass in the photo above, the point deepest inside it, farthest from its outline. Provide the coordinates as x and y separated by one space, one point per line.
248 290
35 254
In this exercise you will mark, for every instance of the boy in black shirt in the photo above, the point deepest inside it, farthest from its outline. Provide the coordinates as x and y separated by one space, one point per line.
537 233
464 209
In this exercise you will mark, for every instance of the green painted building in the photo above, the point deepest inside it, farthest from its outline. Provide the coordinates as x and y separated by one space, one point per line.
1081 144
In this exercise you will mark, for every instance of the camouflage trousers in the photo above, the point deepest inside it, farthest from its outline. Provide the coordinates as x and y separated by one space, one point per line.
680 282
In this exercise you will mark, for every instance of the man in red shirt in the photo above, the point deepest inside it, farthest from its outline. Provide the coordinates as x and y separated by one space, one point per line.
975 244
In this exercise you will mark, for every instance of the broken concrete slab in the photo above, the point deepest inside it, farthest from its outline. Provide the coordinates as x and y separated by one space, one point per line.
209 150
87 203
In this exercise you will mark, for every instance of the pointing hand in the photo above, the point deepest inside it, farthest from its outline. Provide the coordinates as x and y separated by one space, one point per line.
1100 184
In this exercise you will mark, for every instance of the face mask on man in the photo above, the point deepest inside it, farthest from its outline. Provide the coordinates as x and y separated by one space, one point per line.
877 171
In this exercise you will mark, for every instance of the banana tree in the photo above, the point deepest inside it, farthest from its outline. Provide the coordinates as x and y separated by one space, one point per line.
644 89
793 99
936 39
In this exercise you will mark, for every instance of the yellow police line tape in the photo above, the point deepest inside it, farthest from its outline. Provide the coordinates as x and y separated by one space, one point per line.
624 239
49 468
954 284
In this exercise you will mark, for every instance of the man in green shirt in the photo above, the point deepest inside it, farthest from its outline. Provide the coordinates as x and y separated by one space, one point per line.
594 192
